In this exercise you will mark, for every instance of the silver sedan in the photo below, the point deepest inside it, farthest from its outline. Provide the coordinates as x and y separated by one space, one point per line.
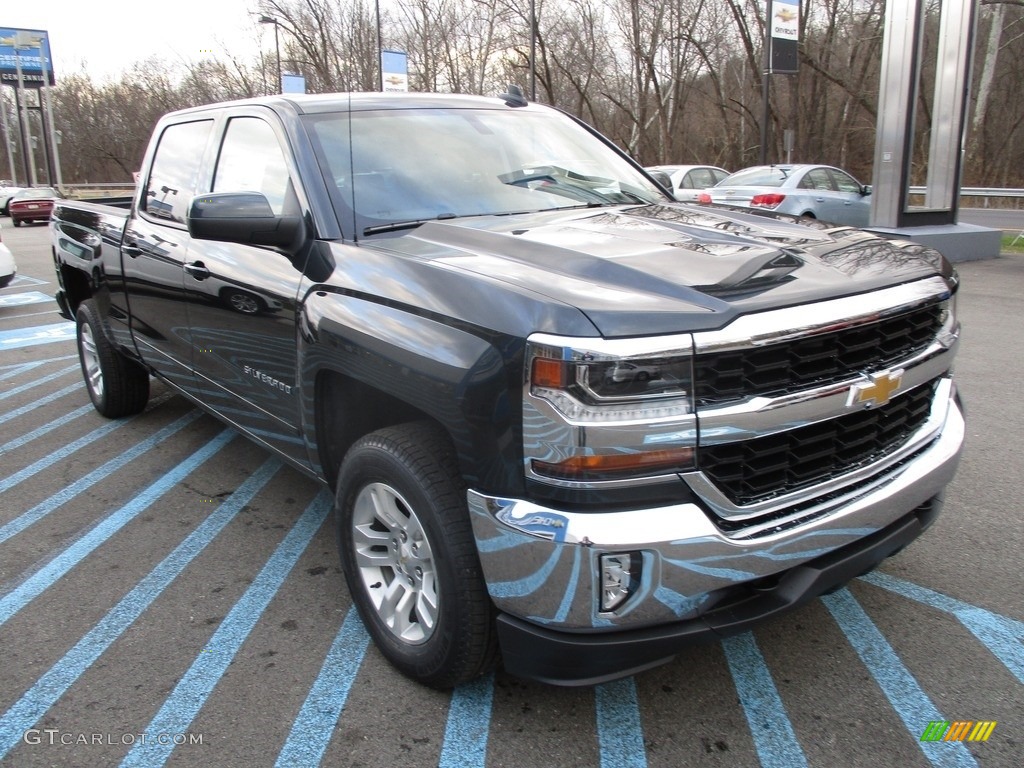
816 191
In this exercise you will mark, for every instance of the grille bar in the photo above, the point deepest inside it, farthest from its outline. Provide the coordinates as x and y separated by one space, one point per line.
780 369
757 470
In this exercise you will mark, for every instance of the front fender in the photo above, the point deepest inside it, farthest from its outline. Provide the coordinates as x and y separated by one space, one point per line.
466 379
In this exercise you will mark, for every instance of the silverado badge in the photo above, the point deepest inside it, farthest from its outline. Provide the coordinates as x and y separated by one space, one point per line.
878 392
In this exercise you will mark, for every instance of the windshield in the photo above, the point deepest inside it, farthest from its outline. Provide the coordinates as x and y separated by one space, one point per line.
396 168
773 176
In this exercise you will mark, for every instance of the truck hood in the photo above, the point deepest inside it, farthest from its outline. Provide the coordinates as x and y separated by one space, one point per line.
653 269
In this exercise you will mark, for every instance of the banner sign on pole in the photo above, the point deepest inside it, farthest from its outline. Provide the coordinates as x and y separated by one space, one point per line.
394 69
784 23
29 48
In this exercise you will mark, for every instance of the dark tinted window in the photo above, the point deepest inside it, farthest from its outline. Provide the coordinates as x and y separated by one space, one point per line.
818 179
251 160
175 174
845 182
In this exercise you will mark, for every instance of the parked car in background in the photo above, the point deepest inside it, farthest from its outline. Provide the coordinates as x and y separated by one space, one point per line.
33 204
8 269
687 181
815 191
6 193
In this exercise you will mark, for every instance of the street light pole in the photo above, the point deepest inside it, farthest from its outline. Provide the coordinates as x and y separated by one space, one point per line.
277 48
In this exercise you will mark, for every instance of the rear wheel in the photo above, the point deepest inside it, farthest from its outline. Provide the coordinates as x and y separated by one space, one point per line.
409 557
117 386
17 222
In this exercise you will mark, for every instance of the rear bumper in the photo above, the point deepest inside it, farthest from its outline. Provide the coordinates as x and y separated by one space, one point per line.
699 581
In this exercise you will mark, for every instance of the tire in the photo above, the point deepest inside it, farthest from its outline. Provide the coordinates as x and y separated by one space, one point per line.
409 557
117 386
17 222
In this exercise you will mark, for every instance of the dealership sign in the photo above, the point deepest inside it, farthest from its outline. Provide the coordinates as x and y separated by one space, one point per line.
784 23
29 50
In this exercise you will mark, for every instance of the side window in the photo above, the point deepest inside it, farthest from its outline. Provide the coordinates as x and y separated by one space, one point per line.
698 178
175 174
845 182
816 178
251 160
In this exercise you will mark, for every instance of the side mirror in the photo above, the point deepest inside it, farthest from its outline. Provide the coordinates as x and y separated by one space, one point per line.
865 190
243 217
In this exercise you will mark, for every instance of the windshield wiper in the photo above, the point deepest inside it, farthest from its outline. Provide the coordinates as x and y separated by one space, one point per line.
396 226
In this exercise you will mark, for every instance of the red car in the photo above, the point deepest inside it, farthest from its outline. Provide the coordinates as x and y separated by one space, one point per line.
33 204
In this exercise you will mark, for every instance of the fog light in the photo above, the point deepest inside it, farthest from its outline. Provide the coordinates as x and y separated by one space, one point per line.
620 575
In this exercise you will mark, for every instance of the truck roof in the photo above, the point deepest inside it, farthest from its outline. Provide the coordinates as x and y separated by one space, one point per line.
310 103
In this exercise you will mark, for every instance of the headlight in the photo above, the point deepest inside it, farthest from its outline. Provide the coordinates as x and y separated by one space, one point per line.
598 411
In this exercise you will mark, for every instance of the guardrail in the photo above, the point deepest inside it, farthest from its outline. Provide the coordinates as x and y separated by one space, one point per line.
983 192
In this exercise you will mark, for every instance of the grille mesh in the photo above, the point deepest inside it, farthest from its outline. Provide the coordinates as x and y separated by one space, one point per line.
778 369
760 469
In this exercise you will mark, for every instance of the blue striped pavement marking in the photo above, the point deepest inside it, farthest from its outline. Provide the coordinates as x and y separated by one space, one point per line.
911 703
188 696
22 368
52 685
45 400
312 730
47 575
37 382
45 507
24 299
40 334
1000 634
770 727
619 732
469 723
28 437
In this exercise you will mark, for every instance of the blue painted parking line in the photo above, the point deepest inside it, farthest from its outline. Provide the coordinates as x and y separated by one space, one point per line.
195 686
41 334
54 570
45 400
33 384
23 299
24 280
28 437
619 732
770 726
52 685
70 491
911 703
468 727
1000 634
313 727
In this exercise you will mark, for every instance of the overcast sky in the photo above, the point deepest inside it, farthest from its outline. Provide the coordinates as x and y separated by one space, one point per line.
106 36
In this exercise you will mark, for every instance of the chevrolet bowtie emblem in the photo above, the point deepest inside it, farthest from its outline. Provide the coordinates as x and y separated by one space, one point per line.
878 392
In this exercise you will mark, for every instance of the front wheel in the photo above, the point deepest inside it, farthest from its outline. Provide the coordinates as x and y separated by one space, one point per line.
409 556
117 386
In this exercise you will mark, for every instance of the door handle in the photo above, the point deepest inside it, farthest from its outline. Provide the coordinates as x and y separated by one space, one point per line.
130 247
197 269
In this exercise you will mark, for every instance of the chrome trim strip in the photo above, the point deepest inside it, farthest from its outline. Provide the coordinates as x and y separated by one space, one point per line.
781 325
722 506
597 348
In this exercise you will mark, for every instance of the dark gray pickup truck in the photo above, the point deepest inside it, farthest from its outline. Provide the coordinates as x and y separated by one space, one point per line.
564 416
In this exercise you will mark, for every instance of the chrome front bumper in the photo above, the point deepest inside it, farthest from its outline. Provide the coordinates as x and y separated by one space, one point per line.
542 564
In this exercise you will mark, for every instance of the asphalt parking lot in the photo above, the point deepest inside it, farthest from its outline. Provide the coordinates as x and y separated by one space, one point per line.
169 593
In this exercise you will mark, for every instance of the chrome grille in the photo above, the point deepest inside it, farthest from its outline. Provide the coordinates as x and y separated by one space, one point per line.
757 470
779 369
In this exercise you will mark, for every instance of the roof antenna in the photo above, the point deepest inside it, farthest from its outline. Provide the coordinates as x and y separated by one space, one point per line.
514 97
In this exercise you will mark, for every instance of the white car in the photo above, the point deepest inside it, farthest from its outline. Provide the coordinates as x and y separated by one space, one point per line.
688 181
8 269
6 193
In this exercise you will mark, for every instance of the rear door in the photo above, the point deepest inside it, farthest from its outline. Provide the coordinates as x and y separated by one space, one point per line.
155 246
242 298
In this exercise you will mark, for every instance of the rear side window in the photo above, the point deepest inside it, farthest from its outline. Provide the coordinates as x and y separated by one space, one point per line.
175 174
